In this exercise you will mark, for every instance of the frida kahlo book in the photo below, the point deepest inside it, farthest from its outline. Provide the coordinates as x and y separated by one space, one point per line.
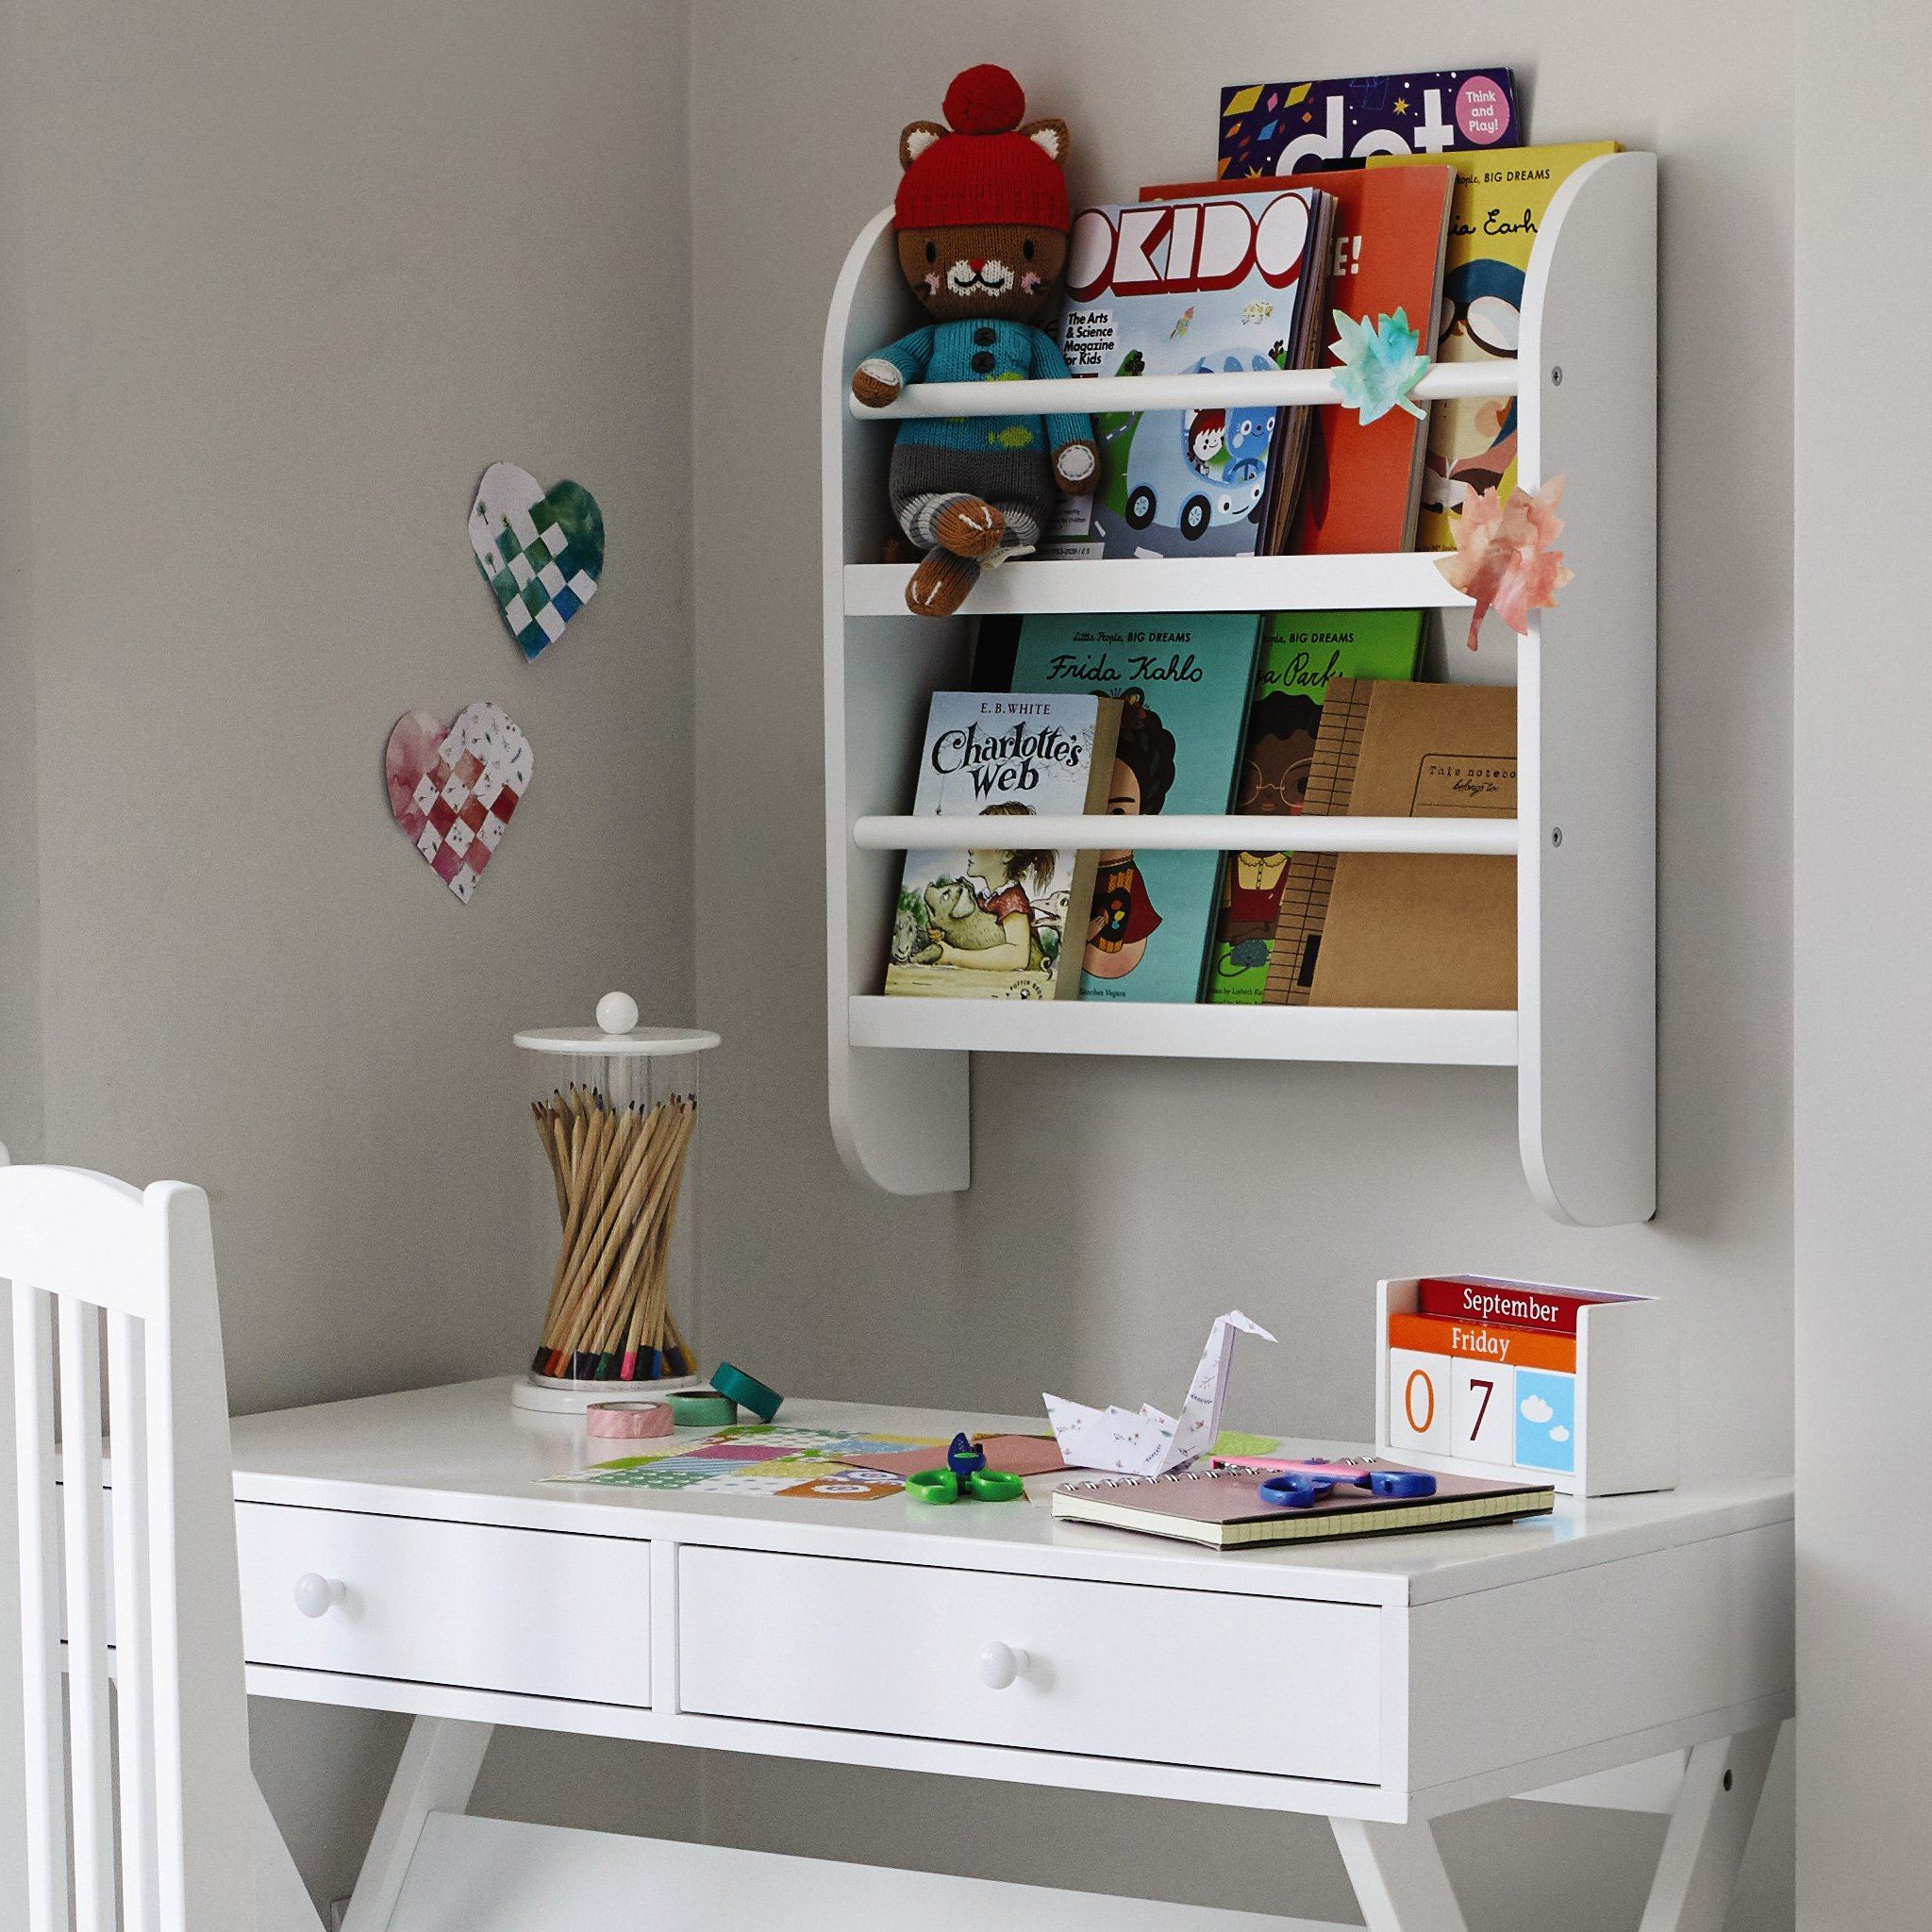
1363 480
1183 683
1298 127
987 918
1499 204
1301 651
1191 288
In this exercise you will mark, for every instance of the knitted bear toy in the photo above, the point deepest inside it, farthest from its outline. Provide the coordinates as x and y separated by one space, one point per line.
981 219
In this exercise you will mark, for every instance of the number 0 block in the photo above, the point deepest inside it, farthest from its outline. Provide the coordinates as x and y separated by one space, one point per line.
1421 1401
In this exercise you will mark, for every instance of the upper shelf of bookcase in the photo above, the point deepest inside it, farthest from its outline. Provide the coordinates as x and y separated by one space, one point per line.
1409 581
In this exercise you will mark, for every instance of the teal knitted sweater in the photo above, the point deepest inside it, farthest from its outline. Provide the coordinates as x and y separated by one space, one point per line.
984 350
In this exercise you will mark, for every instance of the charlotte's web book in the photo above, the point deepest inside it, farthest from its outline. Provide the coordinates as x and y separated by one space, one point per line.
1498 206
987 918
1363 479
1191 287
1296 126
1300 652
1183 683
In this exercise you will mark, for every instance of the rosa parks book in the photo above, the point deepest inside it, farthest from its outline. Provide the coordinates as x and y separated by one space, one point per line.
1191 288
1183 683
987 918
1499 203
1300 652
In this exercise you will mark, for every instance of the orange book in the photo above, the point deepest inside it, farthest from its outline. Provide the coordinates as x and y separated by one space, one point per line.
1520 1347
1363 483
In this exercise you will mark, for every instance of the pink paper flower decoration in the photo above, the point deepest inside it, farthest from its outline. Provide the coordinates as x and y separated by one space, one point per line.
1502 558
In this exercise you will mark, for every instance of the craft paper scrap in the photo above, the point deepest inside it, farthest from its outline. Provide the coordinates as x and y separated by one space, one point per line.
1016 1455
757 1459
541 552
453 789
1148 1442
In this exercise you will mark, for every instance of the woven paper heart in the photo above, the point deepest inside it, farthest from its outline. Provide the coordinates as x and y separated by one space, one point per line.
453 789
541 554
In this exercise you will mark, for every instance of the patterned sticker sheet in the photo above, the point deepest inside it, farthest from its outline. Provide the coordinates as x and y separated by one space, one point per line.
756 1459
453 792
540 553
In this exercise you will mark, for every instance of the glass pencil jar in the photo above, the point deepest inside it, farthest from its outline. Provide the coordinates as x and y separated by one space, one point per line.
614 1111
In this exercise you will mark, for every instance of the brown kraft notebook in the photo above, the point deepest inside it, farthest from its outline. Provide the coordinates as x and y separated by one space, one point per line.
1418 929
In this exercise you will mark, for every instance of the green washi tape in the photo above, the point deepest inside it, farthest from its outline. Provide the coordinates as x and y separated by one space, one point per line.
700 1410
747 1390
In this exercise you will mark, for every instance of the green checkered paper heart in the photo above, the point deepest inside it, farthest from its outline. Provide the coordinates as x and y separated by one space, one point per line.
541 552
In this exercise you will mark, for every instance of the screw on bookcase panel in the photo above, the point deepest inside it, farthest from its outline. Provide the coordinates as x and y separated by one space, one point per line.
1556 835
1727 1780
1556 376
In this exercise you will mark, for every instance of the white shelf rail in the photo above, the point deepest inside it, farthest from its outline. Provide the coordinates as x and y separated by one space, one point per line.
1083 394
1202 832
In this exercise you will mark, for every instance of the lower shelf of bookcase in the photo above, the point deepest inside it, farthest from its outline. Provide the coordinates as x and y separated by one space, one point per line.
1400 1035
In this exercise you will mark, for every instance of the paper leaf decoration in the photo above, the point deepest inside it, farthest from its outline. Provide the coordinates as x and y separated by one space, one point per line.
453 789
1380 365
540 553
1502 557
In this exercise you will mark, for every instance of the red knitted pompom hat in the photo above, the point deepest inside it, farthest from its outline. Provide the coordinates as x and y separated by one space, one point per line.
983 171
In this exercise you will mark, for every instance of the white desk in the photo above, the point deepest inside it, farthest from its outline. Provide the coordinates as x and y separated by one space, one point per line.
1411 1676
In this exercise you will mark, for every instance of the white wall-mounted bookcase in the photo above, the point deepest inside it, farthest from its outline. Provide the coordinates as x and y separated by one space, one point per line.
1583 1036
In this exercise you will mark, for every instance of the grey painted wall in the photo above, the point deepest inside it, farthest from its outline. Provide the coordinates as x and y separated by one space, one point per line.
1864 1033
1118 1204
282 282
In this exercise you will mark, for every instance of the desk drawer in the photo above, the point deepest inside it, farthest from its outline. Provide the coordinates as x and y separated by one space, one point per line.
538 1612
1174 1676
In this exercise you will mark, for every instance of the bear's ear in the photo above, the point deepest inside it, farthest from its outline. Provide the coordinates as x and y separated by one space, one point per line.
1050 134
918 137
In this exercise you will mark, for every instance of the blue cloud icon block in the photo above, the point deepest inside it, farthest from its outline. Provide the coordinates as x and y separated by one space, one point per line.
1545 1421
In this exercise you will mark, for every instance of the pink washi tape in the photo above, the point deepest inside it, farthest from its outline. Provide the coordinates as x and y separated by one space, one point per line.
628 1422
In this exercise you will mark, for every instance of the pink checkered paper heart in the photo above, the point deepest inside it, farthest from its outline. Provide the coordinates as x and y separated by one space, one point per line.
453 789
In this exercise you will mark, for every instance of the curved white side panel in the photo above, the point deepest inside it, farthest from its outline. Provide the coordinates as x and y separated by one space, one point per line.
900 1120
1587 707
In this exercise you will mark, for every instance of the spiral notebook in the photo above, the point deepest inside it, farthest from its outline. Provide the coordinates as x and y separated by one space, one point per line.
1223 1507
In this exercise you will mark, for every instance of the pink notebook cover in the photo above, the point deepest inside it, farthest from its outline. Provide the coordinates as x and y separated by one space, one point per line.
1231 1496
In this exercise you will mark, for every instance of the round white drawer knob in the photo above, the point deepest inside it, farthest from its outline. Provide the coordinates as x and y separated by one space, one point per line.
315 1596
999 1664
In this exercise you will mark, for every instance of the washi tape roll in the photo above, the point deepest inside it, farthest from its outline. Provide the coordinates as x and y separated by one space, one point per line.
629 1422
747 1391
702 1411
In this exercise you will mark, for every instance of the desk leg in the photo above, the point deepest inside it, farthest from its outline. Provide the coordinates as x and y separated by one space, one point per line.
1398 1876
438 1773
1709 1830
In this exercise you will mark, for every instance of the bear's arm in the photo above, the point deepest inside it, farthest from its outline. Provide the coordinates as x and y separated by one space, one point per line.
895 365
1066 430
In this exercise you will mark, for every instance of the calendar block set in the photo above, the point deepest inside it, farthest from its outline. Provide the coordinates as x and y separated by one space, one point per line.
1480 1375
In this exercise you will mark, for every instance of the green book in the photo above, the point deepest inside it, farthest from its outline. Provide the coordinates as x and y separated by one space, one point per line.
1301 650
1184 680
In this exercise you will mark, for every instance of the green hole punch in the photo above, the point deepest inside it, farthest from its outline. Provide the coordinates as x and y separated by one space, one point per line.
933 1485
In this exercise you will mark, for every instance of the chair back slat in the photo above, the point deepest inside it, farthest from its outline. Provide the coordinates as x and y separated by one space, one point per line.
91 1788
38 1503
173 1807
127 1511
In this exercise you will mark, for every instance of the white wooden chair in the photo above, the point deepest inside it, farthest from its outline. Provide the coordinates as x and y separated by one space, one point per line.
198 1850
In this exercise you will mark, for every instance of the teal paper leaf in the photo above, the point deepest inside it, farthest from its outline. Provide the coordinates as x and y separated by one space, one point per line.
1380 365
